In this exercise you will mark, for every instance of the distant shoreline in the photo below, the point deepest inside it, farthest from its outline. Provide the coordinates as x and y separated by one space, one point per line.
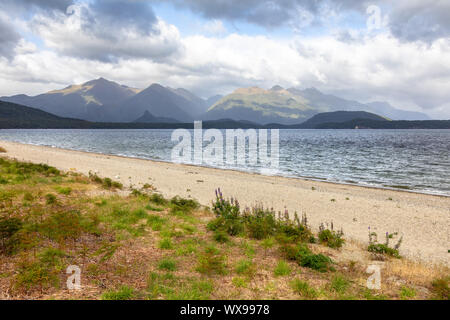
421 218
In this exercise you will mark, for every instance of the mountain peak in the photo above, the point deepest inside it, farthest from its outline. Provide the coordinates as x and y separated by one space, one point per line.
99 81
276 88
250 91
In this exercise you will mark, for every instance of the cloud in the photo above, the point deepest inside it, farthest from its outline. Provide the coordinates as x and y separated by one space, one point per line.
123 14
425 20
108 31
9 38
131 45
266 13
214 27
410 20
36 4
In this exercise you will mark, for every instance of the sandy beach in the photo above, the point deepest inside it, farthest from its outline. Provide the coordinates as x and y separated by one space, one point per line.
423 220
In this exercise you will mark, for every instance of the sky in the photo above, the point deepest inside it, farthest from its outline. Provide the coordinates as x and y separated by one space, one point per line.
394 51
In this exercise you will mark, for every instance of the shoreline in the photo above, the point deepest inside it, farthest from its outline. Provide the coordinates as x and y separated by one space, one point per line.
303 178
422 218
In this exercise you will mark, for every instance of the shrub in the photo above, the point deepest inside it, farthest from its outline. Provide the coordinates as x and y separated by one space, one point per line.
183 205
331 238
167 264
50 198
158 199
317 262
106 183
220 236
136 193
51 256
62 225
245 266
110 184
267 244
41 273
294 230
383 248
33 275
95 178
304 289
2 150
305 258
282 269
211 261
124 293
8 228
260 223
232 226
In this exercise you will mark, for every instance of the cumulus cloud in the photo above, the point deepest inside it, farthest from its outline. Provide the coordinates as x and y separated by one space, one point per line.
9 38
425 20
108 31
410 20
131 45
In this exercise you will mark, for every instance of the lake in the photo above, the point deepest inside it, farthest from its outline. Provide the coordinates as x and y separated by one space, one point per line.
416 160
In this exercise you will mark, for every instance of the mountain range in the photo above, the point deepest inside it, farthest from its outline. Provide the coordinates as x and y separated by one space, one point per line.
102 100
15 116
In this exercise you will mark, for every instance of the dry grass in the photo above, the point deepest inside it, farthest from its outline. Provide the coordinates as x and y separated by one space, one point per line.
135 253
2 150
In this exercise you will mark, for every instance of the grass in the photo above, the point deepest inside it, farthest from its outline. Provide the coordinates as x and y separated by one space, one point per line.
407 293
282 269
142 246
123 293
167 264
304 289
245 267
339 284
440 288
165 244
211 261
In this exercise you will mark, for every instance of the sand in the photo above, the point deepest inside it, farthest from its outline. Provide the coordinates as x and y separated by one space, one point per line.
423 220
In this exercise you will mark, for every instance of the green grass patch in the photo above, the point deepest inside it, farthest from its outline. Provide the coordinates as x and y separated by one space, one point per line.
167 264
282 269
165 244
304 289
211 261
407 293
123 293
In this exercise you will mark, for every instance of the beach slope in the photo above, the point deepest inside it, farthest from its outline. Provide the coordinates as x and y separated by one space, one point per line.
423 220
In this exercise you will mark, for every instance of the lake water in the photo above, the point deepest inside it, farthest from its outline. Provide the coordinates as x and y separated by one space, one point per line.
418 160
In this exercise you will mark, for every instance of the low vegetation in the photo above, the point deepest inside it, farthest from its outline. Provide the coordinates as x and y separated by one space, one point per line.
136 244
379 249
